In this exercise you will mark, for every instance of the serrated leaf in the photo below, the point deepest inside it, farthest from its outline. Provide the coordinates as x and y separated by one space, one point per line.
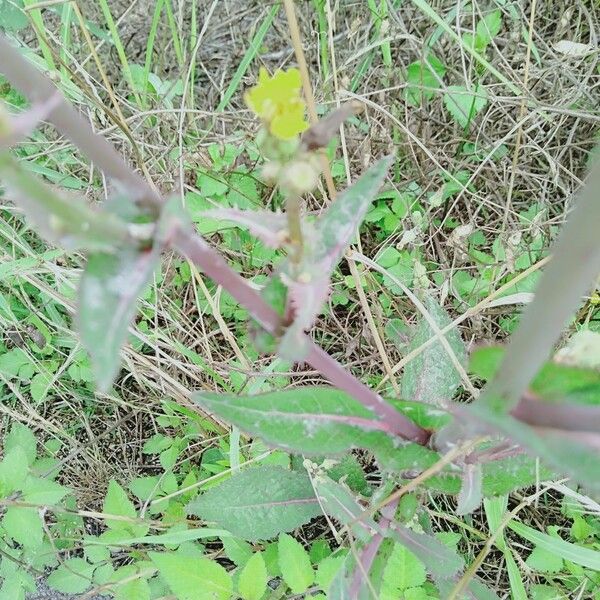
267 226
253 578
403 570
421 75
193 578
41 490
108 294
73 576
471 490
13 470
259 503
431 377
117 503
22 437
489 27
294 563
465 105
237 550
328 569
24 525
439 560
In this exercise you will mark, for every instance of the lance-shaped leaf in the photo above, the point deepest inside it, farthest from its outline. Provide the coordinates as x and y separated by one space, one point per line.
309 420
573 453
259 503
108 292
431 377
471 490
269 227
16 128
333 232
69 223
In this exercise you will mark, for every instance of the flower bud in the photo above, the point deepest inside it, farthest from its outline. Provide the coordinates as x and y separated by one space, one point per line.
299 177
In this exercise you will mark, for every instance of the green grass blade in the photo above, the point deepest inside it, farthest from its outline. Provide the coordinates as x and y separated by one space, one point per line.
248 57
112 27
150 43
566 550
35 14
174 33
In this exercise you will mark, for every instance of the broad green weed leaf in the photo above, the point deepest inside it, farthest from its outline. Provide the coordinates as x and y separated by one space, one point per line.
544 561
489 27
580 555
439 560
465 105
403 570
328 569
108 294
237 550
174 538
118 503
253 578
12 15
24 525
193 578
13 470
294 563
471 490
421 75
41 490
259 503
74 576
22 437
312 420
431 377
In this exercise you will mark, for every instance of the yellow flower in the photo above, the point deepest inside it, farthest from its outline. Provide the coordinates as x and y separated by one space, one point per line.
277 101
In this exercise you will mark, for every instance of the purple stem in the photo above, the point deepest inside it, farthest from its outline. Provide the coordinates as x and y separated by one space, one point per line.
369 552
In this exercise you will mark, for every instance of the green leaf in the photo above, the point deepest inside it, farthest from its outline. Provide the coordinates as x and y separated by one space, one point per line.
544 561
138 589
259 503
24 525
421 75
311 420
465 105
333 232
73 576
193 578
489 27
13 470
328 569
22 437
431 377
294 563
561 450
237 550
253 578
579 555
117 503
41 490
403 570
108 294
12 16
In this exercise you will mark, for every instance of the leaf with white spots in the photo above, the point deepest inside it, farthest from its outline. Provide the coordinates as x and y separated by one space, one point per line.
108 293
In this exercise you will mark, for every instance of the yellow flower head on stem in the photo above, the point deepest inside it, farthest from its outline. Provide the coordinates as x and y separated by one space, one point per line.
277 101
